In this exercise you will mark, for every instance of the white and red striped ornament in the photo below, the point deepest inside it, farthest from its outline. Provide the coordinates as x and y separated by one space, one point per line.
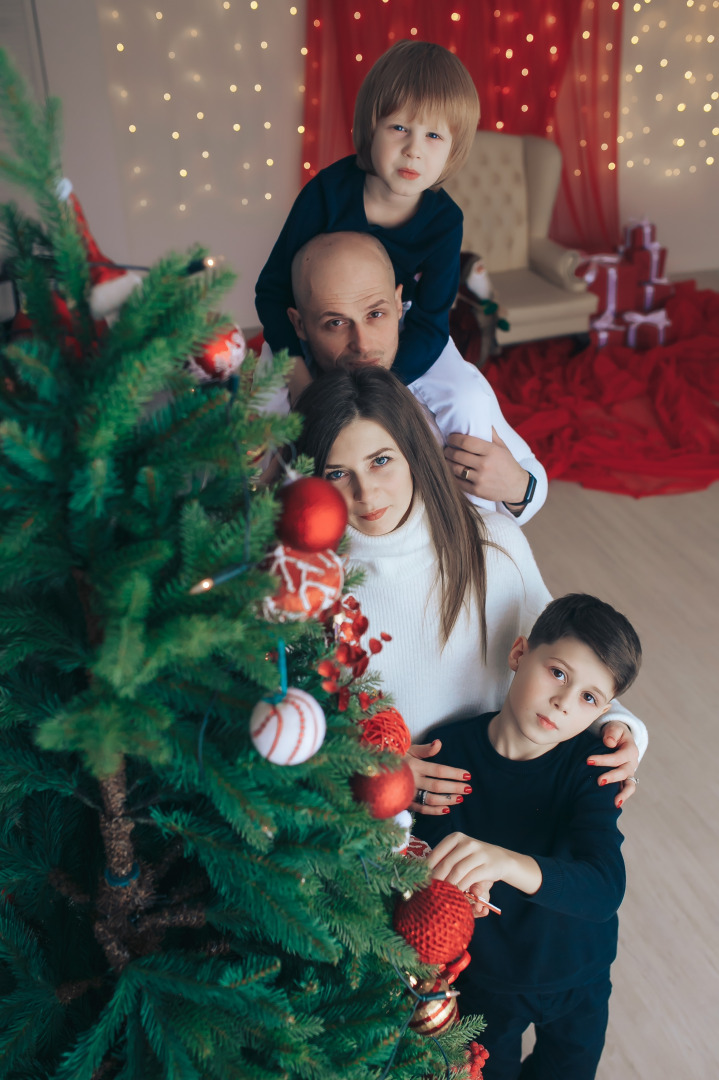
289 731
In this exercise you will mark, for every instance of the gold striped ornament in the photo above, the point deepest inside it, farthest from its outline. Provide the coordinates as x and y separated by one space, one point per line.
431 1017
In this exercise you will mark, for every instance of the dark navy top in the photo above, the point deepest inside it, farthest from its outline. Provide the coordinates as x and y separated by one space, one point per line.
424 252
552 809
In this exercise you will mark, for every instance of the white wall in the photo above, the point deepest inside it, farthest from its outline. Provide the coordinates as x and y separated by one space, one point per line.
130 183
672 182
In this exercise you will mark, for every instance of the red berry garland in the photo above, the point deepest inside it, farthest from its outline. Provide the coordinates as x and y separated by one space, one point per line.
314 514
437 921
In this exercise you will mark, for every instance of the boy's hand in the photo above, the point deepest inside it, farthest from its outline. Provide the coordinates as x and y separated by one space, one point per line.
493 472
464 861
444 785
480 888
623 763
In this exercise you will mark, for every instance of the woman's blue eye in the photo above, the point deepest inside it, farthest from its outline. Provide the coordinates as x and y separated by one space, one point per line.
381 460
336 474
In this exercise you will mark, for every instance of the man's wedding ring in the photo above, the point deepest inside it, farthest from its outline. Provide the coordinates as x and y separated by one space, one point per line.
422 796
465 473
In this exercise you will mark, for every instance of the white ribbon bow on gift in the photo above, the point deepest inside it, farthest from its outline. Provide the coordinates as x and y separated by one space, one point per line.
659 318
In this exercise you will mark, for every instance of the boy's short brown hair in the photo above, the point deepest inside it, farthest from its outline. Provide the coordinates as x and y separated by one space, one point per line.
418 75
607 632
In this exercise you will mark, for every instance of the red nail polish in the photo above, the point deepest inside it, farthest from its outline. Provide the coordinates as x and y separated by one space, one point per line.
468 791
467 776
445 810
619 803
460 798
602 782
590 763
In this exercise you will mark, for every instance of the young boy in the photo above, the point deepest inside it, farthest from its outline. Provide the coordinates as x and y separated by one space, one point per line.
549 840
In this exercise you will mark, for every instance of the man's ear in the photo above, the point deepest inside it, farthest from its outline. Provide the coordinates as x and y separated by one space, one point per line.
296 320
398 300
518 650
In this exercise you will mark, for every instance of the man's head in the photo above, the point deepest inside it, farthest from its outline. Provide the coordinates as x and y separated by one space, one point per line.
347 305
580 653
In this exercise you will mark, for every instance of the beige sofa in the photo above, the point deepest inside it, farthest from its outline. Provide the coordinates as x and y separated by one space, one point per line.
507 192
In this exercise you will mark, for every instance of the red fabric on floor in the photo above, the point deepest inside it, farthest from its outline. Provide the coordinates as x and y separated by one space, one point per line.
614 419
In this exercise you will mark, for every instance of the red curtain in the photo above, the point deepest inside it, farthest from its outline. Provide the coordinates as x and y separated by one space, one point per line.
549 69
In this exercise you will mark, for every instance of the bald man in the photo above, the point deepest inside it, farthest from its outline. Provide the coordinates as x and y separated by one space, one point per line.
348 311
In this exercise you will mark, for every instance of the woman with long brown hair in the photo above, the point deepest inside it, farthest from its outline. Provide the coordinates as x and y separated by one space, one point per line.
453 589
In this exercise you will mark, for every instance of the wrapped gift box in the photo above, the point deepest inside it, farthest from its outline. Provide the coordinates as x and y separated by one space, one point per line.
614 282
653 294
610 334
645 330
649 261
639 234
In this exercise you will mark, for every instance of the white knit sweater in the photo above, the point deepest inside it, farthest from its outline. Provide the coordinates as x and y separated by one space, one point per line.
430 686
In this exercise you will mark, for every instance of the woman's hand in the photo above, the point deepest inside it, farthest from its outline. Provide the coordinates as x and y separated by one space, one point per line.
445 786
623 762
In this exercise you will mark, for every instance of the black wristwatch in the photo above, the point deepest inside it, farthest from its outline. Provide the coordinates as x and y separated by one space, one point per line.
528 495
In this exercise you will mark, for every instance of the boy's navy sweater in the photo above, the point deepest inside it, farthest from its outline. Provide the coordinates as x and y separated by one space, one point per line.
552 809
427 245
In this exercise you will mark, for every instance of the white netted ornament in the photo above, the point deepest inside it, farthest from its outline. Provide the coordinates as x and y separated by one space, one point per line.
309 582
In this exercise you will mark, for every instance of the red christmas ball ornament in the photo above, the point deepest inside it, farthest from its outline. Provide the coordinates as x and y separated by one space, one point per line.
431 1017
436 921
386 792
309 582
314 514
221 357
387 731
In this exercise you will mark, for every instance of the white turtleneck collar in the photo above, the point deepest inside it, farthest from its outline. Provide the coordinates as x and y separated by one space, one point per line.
400 554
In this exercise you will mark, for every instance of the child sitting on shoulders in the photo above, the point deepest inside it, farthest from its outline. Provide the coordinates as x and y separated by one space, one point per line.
539 826
415 118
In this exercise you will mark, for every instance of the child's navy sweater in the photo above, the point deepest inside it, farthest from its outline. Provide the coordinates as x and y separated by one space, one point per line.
552 809
424 252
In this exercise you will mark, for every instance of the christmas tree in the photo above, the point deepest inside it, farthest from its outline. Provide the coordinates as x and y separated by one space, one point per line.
173 902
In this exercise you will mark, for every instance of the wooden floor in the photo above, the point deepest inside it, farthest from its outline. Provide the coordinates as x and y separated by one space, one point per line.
656 560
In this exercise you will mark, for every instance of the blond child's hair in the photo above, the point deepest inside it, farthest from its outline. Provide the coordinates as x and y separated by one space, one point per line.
423 78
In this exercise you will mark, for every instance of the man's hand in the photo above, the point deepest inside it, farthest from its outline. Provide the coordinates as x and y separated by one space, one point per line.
623 762
445 786
493 473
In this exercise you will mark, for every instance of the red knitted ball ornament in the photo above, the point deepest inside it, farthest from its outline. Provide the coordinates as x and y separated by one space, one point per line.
437 921
388 731
314 514
308 582
385 792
